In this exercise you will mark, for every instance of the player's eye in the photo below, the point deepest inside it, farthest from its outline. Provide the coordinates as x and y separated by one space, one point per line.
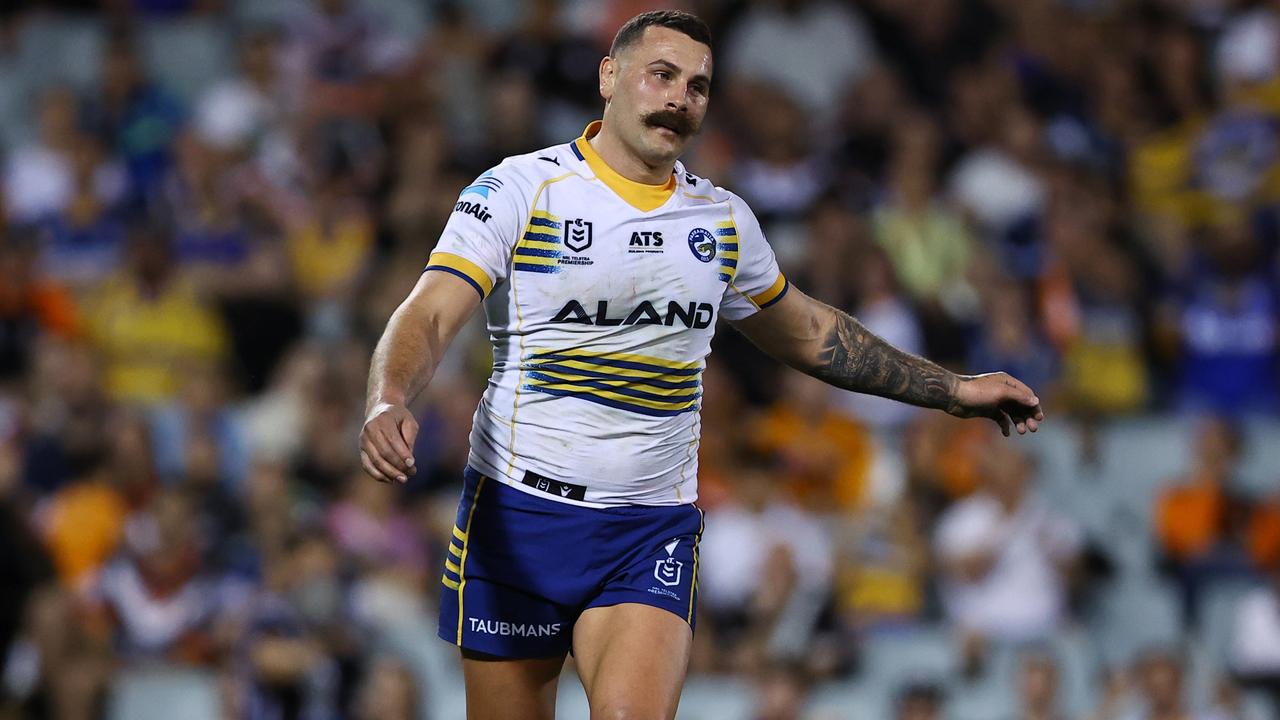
662 74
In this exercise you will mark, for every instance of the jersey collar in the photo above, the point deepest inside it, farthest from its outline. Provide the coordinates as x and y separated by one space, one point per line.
641 196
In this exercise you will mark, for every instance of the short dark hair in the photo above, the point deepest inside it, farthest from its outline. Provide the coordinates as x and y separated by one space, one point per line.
677 20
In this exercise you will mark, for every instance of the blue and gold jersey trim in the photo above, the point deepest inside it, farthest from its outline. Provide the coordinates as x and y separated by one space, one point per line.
461 267
539 248
727 250
636 383
775 293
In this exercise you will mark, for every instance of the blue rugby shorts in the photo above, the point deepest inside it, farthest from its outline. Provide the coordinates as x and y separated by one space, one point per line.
522 567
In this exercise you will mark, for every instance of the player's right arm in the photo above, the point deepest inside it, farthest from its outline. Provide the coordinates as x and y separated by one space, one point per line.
417 335
472 256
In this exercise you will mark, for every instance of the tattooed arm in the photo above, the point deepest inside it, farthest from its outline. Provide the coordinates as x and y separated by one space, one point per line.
832 346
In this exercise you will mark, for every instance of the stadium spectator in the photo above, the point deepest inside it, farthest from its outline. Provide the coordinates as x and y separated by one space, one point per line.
884 310
1038 685
767 568
1161 690
82 243
816 47
134 117
387 692
149 324
825 457
41 178
1225 313
30 308
1005 556
931 249
919 701
1207 529
1254 645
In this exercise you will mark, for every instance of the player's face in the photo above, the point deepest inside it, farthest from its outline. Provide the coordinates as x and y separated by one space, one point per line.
657 90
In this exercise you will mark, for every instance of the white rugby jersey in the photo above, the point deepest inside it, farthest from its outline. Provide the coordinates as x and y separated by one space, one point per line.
601 296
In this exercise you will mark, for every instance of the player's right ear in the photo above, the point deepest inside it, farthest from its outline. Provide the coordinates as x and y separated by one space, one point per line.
608 76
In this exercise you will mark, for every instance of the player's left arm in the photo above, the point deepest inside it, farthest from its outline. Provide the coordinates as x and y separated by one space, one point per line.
834 347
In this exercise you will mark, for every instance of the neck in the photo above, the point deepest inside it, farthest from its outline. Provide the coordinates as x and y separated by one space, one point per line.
625 162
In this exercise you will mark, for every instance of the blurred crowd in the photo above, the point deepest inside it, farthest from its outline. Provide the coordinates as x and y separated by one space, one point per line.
209 208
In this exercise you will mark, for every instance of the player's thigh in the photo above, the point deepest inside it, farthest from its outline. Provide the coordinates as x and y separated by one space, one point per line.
509 689
632 659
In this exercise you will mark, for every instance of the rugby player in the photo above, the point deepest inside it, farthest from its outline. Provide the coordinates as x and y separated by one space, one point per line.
603 266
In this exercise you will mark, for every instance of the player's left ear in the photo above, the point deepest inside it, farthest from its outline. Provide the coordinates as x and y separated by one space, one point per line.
608 76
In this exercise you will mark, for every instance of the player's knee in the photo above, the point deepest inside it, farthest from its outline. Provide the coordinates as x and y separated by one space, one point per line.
630 709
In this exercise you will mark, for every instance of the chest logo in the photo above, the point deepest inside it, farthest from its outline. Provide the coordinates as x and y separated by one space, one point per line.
577 234
645 241
702 244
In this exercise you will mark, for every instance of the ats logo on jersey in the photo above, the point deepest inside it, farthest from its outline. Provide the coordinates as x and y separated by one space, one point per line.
645 241
480 212
577 234
703 244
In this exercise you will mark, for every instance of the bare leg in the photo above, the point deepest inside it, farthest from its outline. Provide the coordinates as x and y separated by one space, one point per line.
503 689
632 659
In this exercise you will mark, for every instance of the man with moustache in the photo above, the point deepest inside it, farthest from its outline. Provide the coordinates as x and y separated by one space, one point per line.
603 266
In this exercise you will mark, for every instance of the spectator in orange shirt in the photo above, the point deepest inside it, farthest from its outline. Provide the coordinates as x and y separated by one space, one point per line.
29 306
1205 529
826 456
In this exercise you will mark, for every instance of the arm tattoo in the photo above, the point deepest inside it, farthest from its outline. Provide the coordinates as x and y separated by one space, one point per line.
853 358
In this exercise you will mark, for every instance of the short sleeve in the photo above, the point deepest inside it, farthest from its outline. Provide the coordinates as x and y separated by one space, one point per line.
756 282
477 241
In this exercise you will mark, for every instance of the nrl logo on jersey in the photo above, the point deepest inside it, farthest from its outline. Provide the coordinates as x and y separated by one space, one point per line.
577 234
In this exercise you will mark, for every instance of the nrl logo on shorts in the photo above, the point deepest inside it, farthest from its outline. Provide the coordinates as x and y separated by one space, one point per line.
577 234
667 570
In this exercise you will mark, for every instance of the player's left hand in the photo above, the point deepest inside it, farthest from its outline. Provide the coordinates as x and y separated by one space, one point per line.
1002 398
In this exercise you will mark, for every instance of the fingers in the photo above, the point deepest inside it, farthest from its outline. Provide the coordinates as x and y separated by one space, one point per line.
386 460
370 469
409 433
395 449
1004 421
385 466
1022 394
386 444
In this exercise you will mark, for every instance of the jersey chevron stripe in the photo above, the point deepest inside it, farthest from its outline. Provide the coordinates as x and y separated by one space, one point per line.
666 396
601 375
654 364
636 406
613 366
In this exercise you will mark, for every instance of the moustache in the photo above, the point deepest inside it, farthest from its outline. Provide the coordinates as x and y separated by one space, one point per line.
671 120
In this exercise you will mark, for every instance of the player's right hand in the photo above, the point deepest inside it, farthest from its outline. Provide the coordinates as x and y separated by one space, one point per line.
386 443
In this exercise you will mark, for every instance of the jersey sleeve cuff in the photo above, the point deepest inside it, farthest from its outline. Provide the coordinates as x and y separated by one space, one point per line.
775 293
461 267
